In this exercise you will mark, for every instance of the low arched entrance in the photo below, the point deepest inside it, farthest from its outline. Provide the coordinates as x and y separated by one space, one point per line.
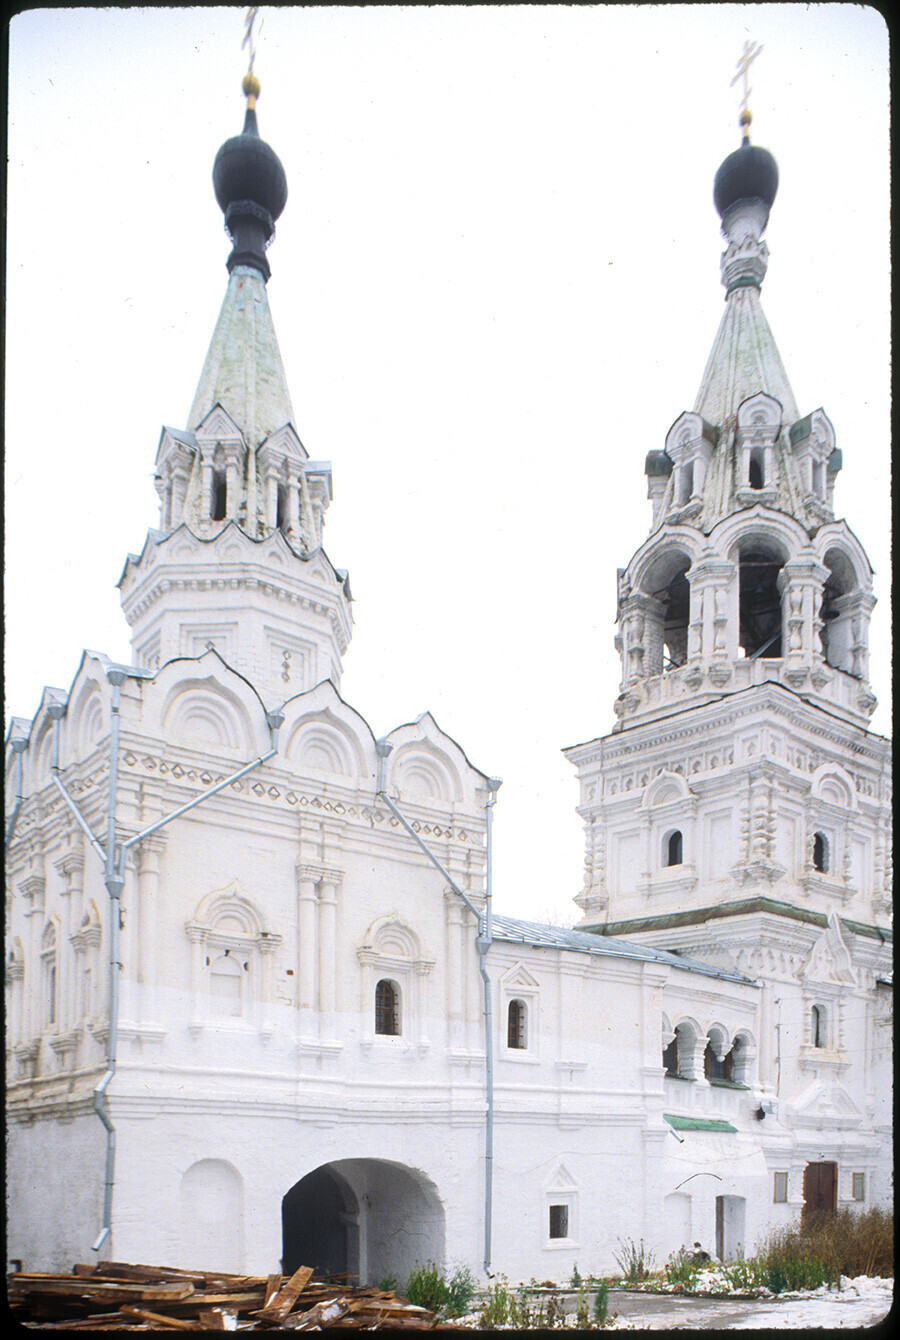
370 1219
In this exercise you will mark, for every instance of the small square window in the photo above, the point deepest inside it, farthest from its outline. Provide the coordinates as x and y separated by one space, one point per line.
859 1186
559 1221
781 1188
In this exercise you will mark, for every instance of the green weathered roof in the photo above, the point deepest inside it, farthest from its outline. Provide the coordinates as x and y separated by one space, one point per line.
743 361
698 1123
243 371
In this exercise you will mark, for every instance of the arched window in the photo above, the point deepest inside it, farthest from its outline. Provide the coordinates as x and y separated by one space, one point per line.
387 1008
218 496
674 848
817 1026
281 507
757 470
820 852
516 1034
670 1058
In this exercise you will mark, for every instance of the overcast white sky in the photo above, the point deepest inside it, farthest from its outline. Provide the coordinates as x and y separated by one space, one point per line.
495 286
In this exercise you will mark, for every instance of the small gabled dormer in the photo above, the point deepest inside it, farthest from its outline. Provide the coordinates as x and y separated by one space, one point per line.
690 444
818 462
756 434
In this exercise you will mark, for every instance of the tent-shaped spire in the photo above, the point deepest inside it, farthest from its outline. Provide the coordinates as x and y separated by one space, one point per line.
243 371
744 443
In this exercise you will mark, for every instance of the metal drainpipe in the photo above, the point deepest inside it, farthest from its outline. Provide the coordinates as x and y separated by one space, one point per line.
483 942
114 864
18 747
113 859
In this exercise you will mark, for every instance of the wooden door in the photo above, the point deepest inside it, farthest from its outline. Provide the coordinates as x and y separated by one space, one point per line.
819 1188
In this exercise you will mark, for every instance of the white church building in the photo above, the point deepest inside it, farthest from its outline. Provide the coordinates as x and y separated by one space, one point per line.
259 1007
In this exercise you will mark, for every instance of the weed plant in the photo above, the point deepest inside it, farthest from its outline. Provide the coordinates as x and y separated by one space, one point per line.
634 1261
427 1287
681 1272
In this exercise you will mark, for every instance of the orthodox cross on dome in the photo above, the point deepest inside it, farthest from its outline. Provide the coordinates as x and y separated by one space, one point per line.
748 56
251 83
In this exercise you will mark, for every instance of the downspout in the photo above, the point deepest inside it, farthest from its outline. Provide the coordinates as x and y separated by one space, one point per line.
114 865
113 858
483 942
18 747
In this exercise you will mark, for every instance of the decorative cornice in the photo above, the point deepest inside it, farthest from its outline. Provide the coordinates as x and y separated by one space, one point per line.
742 907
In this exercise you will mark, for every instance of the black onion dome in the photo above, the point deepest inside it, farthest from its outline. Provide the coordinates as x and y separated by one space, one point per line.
246 168
750 173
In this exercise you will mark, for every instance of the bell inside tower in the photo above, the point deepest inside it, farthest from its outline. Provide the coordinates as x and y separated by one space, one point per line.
677 599
760 615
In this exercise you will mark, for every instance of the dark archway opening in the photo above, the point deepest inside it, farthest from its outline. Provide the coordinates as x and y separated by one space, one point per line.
316 1216
759 629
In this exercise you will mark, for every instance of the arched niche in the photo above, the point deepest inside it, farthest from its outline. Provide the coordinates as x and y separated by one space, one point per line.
211 1204
419 771
205 714
323 744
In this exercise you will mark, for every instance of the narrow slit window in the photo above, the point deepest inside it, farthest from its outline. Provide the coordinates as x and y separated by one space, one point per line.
780 1192
559 1221
218 496
817 1026
516 1033
756 472
859 1186
820 853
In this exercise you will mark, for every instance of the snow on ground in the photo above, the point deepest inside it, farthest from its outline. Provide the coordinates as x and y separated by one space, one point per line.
858 1302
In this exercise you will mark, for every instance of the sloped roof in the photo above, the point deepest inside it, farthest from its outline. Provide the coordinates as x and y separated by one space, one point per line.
512 931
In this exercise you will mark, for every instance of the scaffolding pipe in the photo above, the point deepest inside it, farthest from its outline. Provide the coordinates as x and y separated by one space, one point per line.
483 942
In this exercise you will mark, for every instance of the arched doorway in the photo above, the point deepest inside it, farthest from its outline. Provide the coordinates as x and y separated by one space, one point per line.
318 1221
367 1218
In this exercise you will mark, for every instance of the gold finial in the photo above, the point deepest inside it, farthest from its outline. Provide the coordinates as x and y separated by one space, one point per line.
748 56
250 83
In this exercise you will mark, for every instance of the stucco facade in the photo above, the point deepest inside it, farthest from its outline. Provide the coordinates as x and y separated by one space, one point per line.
313 1039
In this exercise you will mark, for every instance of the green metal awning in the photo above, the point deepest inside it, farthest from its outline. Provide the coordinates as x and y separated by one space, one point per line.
698 1123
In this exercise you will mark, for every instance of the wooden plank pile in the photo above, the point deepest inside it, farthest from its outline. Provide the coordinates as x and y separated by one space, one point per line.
114 1296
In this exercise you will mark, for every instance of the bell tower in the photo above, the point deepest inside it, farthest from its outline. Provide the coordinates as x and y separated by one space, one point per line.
740 780
237 562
